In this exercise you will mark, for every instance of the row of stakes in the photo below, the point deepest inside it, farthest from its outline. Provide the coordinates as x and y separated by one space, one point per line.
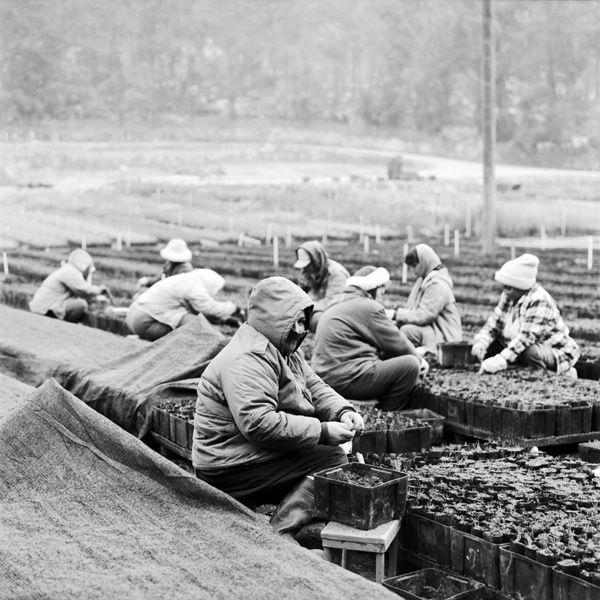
244 240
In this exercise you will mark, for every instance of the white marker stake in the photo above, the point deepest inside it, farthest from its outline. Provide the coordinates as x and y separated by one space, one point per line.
5 262
590 252
543 237
276 251
119 242
456 242
404 272
366 244
446 234
241 240
468 221
83 242
405 250
409 233
513 251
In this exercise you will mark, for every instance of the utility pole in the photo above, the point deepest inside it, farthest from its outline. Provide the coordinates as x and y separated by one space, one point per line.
488 226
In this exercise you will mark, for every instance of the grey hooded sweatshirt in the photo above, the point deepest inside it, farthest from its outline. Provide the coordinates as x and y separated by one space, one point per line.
64 283
254 402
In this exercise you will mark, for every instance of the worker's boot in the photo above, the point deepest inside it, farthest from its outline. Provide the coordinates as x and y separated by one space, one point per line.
296 509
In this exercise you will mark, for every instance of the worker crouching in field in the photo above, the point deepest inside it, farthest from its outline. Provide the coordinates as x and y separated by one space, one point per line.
430 315
177 258
526 327
66 293
264 420
176 300
320 276
358 349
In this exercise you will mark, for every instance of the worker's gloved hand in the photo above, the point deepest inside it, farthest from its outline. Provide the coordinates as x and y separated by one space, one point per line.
478 350
493 364
390 314
142 282
424 368
353 421
338 433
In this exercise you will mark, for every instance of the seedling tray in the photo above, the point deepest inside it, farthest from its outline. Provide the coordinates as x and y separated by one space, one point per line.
419 586
364 505
590 451
452 354
524 578
428 416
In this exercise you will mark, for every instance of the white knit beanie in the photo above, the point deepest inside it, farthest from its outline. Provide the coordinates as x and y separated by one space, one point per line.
520 272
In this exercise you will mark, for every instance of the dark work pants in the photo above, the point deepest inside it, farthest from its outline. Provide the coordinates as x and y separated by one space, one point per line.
537 356
390 381
269 482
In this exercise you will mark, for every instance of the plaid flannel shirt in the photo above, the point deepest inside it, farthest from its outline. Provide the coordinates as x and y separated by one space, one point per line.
540 323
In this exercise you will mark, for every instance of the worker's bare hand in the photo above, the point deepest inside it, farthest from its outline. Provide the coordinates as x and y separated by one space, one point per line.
338 433
353 421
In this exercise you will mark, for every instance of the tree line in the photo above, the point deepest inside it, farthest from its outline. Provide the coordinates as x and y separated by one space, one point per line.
413 65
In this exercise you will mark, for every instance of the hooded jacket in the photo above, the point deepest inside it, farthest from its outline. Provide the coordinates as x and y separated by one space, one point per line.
255 404
63 284
354 335
326 279
170 299
431 300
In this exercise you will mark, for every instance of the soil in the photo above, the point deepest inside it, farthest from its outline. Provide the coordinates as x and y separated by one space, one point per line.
442 590
369 480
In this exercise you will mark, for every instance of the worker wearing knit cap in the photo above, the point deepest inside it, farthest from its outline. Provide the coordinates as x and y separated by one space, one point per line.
526 327
358 349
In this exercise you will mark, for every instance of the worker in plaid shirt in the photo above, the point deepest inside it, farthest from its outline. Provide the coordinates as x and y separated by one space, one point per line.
526 326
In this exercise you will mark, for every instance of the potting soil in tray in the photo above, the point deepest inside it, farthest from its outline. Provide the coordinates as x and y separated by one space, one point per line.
359 495
433 584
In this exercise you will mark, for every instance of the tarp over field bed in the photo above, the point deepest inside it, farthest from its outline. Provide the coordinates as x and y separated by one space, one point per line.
124 389
33 347
12 392
88 511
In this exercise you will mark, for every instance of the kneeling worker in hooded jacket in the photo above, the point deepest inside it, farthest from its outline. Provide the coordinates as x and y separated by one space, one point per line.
264 420
65 294
360 352
172 302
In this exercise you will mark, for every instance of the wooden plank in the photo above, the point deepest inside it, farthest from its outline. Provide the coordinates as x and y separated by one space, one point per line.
372 540
184 452
555 440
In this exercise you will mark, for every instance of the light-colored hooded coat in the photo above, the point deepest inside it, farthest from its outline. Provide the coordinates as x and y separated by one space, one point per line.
63 284
255 404
431 300
170 299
